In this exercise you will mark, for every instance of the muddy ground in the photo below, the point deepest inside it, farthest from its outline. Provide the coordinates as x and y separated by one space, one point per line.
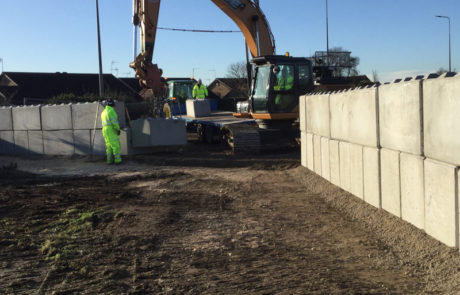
204 222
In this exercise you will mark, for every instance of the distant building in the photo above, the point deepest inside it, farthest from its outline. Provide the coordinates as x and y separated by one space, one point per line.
228 91
18 88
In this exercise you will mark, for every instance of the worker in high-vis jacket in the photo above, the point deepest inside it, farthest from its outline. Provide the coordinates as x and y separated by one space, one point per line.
199 90
111 131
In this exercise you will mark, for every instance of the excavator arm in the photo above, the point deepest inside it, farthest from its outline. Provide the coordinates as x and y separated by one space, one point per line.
245 13
146 17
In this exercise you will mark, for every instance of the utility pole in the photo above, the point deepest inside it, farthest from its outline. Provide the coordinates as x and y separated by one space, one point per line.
448 18
101 78
1 60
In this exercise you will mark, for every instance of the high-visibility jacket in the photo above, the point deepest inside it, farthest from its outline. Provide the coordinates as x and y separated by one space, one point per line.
110 125
200 91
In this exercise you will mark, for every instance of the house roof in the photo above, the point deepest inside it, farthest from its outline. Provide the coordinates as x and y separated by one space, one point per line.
229 87
43 86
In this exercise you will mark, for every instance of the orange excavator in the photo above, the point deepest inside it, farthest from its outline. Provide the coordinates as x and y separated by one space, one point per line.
277 81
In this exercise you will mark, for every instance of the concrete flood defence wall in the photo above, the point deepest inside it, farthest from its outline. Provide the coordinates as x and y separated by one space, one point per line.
75 129
396 146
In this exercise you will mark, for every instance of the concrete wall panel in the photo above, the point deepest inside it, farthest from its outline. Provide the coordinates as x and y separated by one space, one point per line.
82 140
120 109
21 142
310 156
400 116
98 143
334 162
56 117
6 119
26 118
345 166
371 176
318 121
325 167
303 148
354 116
391 188
84 115
35 139
303 112
317 153
7 146
441 202
412 190
158 132
198 107
356 167
58 142
441 109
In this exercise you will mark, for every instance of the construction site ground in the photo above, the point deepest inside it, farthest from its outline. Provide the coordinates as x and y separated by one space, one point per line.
201 221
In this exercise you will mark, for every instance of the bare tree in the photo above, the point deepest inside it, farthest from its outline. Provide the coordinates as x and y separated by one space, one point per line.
375 76
237 70
441 71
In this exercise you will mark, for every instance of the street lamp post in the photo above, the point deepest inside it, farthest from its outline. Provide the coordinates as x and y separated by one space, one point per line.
448 18
101 79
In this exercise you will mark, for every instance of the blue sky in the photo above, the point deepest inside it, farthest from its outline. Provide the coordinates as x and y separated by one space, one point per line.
396 38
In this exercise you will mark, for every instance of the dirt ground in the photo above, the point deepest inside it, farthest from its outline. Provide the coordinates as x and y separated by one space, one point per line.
203 222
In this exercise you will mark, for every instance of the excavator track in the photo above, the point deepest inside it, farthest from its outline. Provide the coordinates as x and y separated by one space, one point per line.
242 138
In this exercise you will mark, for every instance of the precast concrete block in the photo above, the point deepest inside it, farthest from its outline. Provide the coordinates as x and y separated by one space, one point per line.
310 154
198 108
35 139
7 146
82 142
371 176
126 145
158 132
325 167
6 119
318 119
334 162
59 143
354 116
391 187
84 115
412 189
56 117
356 168
120 109
400 116
345 166
441 202
97 143
26 118
303 148
21 142
303 112
317 153
441 120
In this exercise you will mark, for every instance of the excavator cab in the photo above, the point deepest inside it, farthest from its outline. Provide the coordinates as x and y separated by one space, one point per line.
277 83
